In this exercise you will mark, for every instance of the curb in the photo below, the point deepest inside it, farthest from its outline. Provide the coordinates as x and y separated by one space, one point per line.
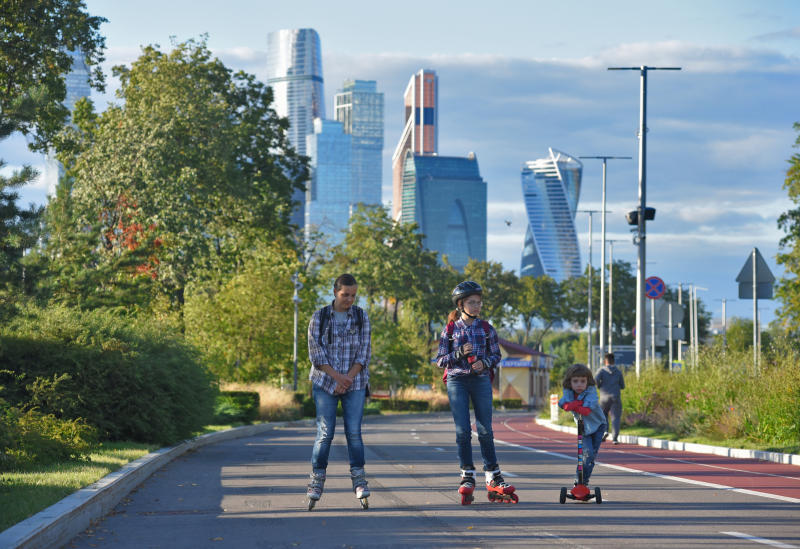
738 453
62 521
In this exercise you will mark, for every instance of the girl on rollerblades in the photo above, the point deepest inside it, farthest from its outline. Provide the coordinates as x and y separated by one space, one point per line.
468 350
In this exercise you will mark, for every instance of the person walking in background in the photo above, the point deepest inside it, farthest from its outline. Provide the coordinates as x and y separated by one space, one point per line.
339 346
610 383
580 398
468 351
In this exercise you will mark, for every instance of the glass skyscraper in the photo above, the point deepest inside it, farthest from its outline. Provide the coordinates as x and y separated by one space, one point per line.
359 107
328 194
77 82
294 72
420 129
446 197
551 188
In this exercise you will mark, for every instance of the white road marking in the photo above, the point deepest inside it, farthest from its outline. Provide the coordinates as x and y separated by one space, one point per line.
647 473
507 474
439 449
755 539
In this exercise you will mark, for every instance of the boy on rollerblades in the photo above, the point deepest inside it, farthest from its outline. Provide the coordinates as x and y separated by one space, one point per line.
339 346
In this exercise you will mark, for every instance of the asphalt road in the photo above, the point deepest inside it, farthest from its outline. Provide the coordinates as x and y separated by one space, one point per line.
250 492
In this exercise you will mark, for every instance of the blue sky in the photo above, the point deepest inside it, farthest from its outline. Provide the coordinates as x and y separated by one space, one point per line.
518 77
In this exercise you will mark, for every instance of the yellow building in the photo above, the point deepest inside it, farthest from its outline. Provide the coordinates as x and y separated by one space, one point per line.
523 373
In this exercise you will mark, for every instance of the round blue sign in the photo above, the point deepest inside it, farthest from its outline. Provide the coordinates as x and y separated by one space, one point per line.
654 287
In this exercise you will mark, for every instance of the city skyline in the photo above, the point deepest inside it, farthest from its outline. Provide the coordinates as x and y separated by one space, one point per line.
720 131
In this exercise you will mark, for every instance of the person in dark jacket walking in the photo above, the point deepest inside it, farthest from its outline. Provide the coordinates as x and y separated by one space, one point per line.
610 383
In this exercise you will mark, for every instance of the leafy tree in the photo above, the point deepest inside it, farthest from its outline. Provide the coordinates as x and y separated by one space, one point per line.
180 181
35 38
789 222
739 335
539 298
500 290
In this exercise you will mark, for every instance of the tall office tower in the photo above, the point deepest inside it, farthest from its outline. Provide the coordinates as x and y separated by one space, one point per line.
420 130
551 187
446 197
359 107
328 195
77 82
294 72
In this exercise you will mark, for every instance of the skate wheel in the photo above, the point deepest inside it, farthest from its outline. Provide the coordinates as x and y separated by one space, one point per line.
364 503
466 499
562 498
514 498
311 503
598 496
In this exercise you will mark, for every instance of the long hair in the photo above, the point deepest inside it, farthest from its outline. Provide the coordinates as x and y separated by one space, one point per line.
577 370
454 315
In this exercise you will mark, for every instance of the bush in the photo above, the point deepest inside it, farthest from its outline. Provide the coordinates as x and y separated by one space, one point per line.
32 437
508 403
236 407
131 379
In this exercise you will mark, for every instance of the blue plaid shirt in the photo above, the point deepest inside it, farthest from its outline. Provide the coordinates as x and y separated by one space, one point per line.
472 333
349 345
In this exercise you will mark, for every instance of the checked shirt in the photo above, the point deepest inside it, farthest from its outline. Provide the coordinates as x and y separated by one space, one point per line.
349 345
472 333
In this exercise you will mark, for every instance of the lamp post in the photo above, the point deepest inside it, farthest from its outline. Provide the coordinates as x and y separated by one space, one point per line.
611 294
296 300
641 233
601 323
589 315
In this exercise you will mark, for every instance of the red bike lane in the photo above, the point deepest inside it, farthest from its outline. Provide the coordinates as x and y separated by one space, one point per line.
768 479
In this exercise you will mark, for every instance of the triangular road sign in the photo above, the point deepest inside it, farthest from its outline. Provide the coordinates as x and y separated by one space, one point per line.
764 278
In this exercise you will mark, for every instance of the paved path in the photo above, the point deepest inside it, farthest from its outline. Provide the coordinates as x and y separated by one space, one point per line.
249 493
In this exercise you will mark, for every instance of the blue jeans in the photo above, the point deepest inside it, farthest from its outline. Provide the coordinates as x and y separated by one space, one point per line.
352 412
591 445
460 390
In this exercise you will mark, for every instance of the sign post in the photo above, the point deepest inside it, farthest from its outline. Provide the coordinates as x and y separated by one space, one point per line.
755 281
654 288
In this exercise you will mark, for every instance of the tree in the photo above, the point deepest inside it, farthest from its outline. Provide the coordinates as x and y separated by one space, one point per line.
35 38
183 179
789 222
539 298
500 290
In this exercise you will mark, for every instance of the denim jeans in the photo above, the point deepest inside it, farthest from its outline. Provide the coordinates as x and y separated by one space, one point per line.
352 412
460 390
591 445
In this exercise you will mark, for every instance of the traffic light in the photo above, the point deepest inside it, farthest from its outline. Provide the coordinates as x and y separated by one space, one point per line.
633 216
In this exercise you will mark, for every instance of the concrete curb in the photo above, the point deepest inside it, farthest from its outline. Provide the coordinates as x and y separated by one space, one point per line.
65 519
739 453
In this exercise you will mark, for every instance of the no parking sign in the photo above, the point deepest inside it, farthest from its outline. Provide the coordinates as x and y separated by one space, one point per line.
654 287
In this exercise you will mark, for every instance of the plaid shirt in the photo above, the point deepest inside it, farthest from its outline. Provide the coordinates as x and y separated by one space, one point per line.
348 346
468 333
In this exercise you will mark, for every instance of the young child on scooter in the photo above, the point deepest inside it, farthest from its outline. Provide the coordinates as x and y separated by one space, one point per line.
580 398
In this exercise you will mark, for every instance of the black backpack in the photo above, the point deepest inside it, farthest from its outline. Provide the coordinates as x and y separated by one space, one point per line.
325 318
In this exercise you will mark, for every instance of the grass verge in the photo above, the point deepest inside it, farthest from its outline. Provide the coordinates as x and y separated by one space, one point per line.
24 493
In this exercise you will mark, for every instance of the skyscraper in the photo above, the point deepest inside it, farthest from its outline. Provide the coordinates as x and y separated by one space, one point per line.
294 72
359 107
77 82
551 188
446 197
328 194
420 131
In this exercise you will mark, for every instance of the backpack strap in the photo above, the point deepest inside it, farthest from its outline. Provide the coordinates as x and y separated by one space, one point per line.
324 320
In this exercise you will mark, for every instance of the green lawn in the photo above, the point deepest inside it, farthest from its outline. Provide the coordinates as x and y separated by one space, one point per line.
24 493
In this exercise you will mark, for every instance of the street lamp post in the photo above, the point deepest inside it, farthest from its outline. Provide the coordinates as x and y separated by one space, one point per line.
601 323
589 315
640 233
611 294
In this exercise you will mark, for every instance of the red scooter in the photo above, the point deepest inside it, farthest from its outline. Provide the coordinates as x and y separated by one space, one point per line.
580 492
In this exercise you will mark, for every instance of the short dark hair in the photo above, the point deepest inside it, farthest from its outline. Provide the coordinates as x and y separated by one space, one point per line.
609 358
578 370
344 280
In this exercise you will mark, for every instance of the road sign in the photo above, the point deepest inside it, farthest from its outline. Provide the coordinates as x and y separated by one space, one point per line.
764 278
654 287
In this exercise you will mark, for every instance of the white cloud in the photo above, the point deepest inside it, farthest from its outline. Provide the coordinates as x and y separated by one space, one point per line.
754 150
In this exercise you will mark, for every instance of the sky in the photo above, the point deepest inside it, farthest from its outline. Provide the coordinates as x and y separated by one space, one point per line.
518 77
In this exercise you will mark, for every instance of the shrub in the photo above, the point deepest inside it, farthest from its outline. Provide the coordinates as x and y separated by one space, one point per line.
508 403
236 406
274 404
32 437
131 379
